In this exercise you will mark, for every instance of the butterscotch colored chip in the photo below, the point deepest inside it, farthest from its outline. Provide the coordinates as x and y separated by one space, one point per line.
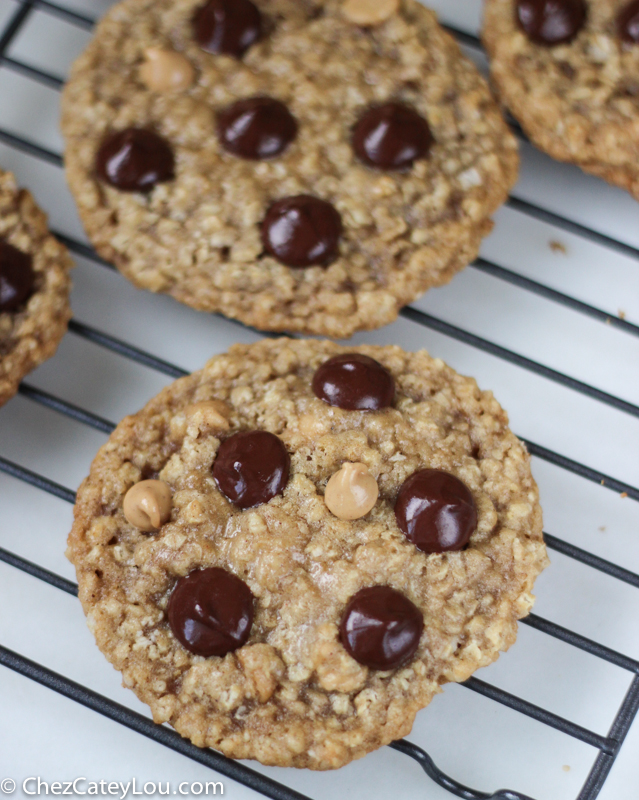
369 12
265 136
34 287
299 685
166 70
351 492
147 505
576 97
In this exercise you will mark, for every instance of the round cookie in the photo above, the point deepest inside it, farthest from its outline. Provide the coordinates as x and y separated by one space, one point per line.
286 627
567 71
34 287
386 122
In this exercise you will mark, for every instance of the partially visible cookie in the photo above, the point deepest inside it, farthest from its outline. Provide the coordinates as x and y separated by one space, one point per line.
287 553
568 70
301 165
34 287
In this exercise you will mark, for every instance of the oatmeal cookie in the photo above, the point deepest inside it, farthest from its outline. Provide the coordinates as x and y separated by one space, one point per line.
287 553
300 165
34 287
568 71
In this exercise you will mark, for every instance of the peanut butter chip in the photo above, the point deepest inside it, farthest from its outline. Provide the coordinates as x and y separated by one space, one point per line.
166 70
369 12
352 492
147 505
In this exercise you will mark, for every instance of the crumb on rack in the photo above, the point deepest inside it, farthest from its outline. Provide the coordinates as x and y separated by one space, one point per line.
621 314
558 247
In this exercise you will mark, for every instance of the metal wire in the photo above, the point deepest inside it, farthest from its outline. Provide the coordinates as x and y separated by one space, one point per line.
439 325
515 279
608 746
136 722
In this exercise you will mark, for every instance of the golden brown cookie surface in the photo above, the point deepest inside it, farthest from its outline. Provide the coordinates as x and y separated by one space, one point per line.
290 691
34 287
577 98
198 234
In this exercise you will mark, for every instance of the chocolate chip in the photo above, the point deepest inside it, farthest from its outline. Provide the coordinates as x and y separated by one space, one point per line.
227 27
354 382
211 612
302 231
135 160
251 468
381 628
17 277
628 23
551 22
436 511
256 128
391 136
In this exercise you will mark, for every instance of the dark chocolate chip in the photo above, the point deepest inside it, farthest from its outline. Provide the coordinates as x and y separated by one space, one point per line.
354 382
551 22
211 612
17 278
381 628
436 511
391 136
628 23
251 468
302 231
227 27
256 128
135 160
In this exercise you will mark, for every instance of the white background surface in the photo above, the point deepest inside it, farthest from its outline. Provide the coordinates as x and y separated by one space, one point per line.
473 739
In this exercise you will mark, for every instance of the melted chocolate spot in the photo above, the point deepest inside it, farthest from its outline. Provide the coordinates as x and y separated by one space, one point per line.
391 136
628 23
302 231
381 628
257 128
551 22
227 27
17 278
135 160
211 612
354 382
436 511
251 468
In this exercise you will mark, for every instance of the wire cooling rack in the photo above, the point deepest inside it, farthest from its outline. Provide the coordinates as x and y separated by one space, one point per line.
548 317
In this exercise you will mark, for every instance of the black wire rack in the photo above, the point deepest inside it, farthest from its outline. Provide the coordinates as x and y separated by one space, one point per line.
608 746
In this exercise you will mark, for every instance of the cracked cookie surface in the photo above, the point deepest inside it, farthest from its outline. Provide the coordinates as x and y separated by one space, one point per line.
292 695
30 333
197 237
578 101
